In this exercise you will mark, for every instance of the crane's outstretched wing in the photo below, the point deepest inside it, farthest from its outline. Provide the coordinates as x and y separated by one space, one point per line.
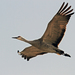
57 25
30 52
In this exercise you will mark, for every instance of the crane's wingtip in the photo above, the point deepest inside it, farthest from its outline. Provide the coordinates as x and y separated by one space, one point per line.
23 56
18 52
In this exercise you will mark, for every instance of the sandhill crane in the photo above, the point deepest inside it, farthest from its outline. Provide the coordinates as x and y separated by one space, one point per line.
54 33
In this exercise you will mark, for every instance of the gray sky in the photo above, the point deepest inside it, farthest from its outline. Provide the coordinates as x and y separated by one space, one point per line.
29 18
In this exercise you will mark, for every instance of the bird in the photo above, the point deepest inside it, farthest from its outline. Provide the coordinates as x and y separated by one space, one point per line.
53 35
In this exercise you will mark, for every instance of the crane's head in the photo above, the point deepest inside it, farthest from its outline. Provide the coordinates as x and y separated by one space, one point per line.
19 38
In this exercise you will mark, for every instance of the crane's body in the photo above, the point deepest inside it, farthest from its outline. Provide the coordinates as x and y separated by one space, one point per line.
40 45
54 33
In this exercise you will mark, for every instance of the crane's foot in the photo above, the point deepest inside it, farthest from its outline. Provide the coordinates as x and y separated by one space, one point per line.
65 54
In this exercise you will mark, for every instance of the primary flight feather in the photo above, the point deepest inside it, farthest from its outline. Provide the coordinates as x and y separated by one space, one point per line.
54 33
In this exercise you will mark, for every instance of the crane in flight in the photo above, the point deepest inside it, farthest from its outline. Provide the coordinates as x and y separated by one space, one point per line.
50 40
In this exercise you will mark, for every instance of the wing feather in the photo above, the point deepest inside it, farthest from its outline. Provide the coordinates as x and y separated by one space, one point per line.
61 7
57 26
31 52
64 8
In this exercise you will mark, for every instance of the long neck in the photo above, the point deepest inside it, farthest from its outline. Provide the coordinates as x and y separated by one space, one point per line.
34 43
22 39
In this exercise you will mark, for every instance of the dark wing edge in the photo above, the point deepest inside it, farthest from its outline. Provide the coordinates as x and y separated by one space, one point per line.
64 10
62 16
30 52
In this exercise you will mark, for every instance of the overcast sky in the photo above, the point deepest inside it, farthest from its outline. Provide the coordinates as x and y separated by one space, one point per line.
29 18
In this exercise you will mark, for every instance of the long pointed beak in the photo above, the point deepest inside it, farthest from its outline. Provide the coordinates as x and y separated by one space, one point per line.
14 37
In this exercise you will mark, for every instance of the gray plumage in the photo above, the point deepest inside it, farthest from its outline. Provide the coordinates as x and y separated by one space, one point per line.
54 33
